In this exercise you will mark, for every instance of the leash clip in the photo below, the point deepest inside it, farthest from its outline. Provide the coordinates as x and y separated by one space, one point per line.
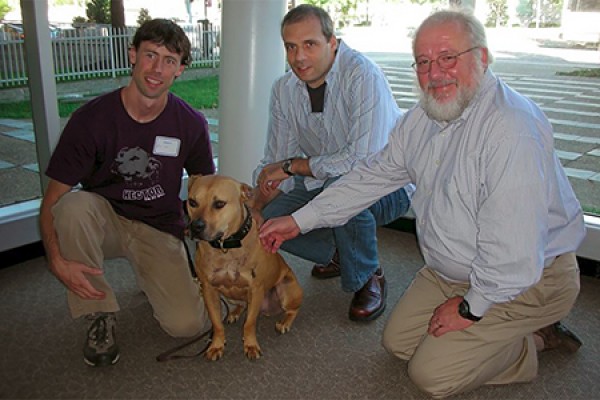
221 246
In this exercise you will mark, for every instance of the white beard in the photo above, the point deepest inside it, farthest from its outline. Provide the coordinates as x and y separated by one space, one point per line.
451 110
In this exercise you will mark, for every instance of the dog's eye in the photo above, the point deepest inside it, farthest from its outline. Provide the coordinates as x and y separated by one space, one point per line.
193 203
219 204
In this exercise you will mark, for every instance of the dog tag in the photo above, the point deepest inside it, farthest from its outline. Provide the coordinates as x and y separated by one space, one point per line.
166 146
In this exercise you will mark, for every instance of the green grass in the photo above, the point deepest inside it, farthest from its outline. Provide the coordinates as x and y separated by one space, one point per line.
591 210
586 72
16 110
199 93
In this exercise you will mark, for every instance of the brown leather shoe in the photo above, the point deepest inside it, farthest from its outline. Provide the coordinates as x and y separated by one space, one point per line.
558 336
369 302
330 270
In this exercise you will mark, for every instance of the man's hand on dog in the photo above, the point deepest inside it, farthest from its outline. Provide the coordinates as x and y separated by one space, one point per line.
73 275
276 231
270 177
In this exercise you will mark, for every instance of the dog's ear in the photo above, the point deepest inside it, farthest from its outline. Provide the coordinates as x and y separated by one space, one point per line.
191 180
246 192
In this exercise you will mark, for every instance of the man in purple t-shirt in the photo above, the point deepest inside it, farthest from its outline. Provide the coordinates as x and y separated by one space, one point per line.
126 151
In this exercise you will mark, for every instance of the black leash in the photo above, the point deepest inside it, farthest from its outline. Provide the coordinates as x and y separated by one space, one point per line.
168 355
187 249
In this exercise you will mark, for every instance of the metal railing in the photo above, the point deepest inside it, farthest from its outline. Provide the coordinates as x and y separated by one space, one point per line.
95 52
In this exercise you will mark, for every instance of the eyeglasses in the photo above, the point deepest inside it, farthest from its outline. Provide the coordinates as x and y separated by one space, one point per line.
445 61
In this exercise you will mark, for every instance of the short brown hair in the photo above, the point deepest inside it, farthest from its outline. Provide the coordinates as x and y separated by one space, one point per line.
166 33
303 11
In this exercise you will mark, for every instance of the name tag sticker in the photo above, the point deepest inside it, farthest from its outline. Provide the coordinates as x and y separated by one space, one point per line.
166 146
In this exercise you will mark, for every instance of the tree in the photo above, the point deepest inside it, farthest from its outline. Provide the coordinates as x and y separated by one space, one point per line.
79 21
319 3
143 16
104 12
551 12
340 10
117 14
4 8
98 11
421 2
498 15
345 10
525 12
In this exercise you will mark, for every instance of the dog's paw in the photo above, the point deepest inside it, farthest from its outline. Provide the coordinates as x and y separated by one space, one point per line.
235 314
283 327
214 353
253 352
285 324
231 319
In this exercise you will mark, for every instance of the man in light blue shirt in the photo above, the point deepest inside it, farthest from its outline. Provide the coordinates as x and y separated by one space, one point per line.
333 109
497 220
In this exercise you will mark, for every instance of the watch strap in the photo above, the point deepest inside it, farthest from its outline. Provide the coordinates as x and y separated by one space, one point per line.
465 311
287 167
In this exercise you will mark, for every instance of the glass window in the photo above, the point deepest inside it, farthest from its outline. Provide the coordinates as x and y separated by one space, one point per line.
529 58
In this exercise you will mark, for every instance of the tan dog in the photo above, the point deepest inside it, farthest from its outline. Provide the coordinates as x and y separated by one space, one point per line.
231 261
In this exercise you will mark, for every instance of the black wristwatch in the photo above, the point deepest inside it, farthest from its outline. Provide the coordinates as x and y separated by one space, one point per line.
286 167
465 311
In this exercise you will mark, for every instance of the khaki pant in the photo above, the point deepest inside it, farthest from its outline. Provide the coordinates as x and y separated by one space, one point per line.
89 231
499 349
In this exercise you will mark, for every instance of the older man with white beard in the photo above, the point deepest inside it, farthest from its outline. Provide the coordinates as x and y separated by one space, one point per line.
497 220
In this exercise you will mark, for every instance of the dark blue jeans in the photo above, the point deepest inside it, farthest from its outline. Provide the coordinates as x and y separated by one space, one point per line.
356 241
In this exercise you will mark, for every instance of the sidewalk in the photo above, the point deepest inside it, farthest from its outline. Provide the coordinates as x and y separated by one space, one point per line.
18 162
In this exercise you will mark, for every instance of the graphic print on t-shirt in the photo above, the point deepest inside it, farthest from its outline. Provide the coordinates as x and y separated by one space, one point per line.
140 172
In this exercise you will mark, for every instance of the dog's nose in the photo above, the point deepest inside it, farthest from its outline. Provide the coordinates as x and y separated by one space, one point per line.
197 227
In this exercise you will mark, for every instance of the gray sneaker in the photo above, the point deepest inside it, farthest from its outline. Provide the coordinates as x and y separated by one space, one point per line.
101 347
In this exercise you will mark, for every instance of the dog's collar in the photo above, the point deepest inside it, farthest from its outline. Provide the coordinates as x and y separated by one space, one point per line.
235 241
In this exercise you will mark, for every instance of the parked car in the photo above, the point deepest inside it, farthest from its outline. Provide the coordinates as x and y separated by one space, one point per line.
13 31
55 31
